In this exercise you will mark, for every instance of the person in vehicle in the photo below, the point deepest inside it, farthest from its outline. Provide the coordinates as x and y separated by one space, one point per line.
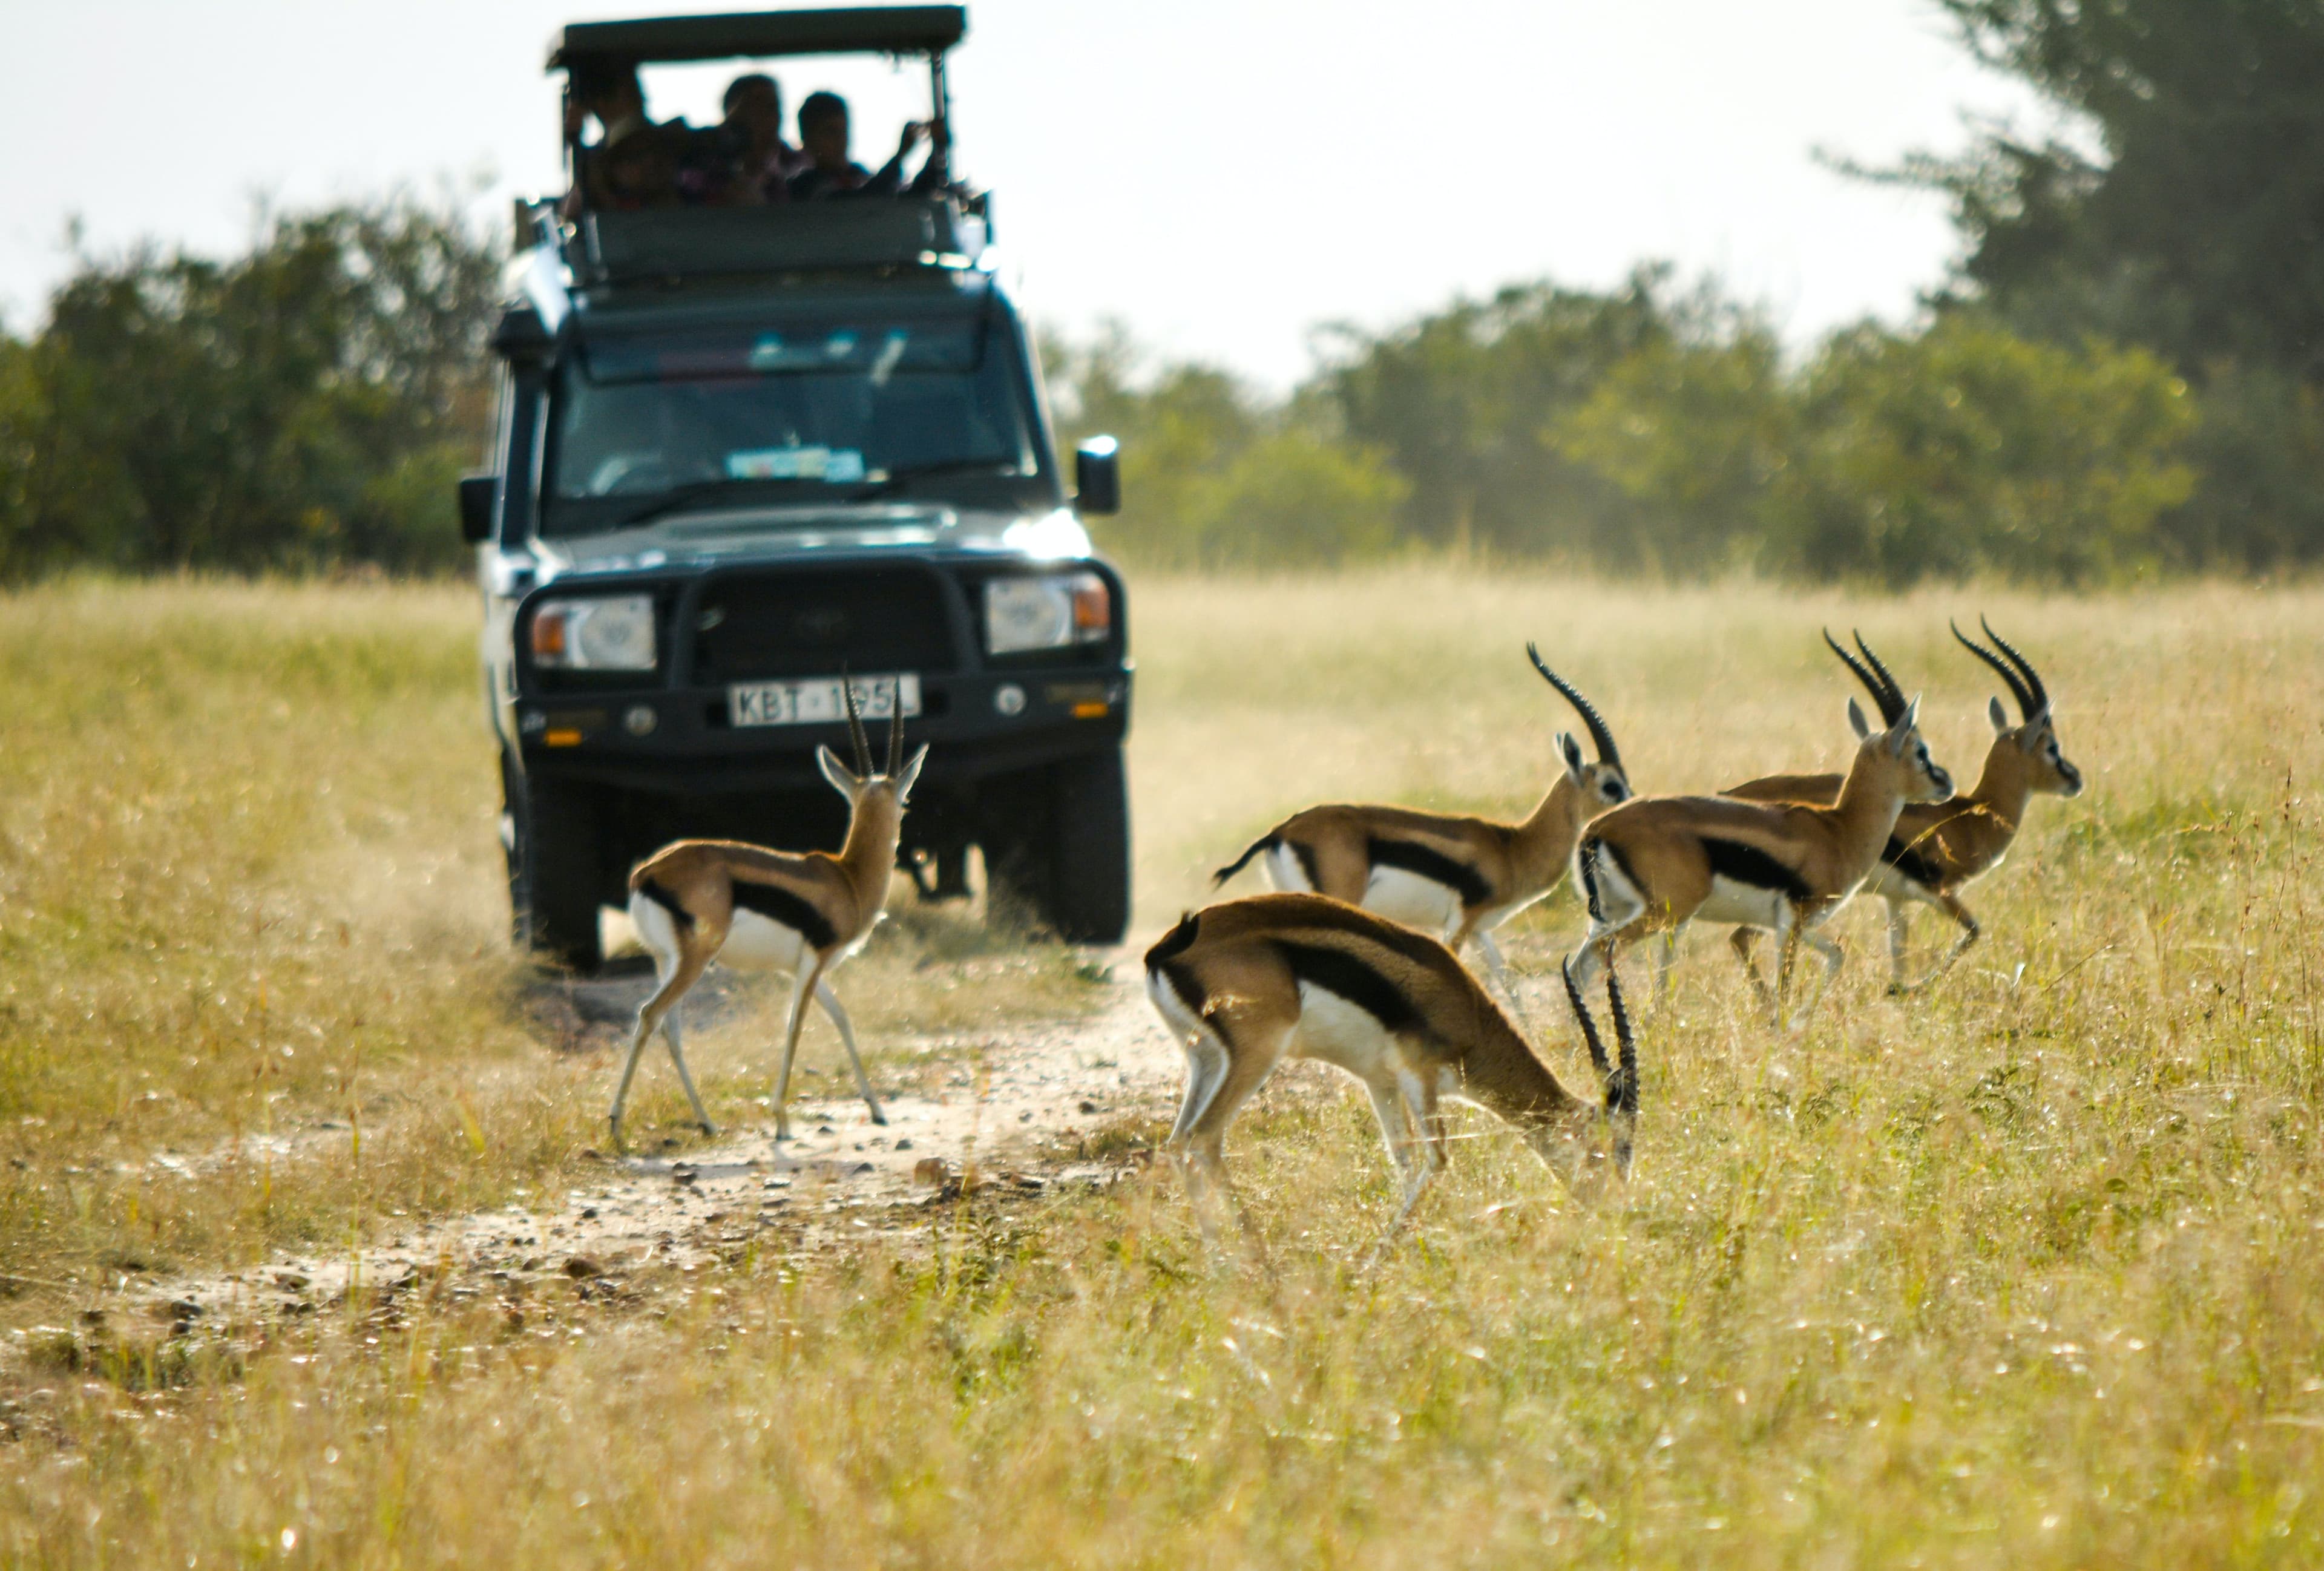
764 163
634 163
831 172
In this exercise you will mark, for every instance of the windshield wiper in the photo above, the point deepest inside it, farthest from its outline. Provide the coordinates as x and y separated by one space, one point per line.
678 496
905 475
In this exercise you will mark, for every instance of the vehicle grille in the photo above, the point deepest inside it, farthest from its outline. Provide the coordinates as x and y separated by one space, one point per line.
811 624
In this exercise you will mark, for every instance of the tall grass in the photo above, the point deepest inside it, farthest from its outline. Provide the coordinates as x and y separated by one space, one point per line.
2020 1272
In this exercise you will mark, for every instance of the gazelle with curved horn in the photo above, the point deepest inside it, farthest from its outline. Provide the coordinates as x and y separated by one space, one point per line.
1939 848
1656 863
1451 876
1249 983
754 909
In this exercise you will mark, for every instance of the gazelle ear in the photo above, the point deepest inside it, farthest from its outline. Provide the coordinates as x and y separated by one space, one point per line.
1857 723
911 773
1570 751
837 772
1997 715
1901 732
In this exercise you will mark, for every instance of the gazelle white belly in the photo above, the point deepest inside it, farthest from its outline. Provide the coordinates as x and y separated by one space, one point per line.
1413 900
757 943
1341 1033
1284 871
1744 905
657 930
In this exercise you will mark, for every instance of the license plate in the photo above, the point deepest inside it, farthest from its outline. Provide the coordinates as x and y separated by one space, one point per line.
817 700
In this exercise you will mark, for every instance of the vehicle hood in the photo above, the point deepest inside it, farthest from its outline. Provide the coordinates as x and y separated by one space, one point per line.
709 537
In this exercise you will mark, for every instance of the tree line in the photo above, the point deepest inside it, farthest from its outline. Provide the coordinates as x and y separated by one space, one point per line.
306 405
2123 376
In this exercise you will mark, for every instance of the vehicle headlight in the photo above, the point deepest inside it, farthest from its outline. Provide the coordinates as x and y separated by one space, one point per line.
610 632
1056 612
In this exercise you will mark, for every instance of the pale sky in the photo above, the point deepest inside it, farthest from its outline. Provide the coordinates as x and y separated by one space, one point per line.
1220 174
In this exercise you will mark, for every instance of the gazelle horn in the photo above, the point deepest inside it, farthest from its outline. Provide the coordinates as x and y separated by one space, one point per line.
1890 702
1599 736
2041 695
2017 688
856 725
896 729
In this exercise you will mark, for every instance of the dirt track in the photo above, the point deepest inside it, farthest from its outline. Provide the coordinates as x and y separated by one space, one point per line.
1011 1120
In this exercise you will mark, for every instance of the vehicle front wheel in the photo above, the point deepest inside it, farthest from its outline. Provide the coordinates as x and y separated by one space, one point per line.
1089 890
554 850
1056 849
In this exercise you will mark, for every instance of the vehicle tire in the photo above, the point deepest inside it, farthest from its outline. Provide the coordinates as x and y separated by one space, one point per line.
554 874
1088 835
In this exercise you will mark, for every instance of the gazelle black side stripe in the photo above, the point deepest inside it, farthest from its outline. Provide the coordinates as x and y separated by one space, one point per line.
779 904
1336 971
653 891
1433 864
1908 861
1749 864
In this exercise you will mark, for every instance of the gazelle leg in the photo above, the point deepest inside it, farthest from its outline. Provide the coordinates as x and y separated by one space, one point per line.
1395 1128
802 985
1787 956
679 972
1900 922
1970 932
1832 953
1250 1058
1206 1071
1500 969
1665 965
1603 946
1428 1151
830 1001
670 1032
1744 941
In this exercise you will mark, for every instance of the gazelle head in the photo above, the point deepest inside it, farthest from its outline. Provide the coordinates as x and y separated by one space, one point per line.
1602 784
1898 749
2034 738
866 791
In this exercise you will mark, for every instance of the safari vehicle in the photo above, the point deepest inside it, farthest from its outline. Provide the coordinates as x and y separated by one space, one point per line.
746 453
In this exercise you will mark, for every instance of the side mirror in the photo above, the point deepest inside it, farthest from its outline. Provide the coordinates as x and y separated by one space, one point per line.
477 494
1097 477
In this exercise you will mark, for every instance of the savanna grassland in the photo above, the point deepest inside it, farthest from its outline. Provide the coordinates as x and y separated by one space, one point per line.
2023 1269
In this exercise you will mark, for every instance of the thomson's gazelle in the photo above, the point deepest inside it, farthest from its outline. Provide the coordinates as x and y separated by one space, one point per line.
1939 848
754 908
1655 864
1245 985
1449 875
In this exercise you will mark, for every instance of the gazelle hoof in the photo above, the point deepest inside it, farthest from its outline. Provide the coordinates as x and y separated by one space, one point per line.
709 1129
878 1118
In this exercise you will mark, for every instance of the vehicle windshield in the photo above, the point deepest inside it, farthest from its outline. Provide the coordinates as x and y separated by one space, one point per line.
835 407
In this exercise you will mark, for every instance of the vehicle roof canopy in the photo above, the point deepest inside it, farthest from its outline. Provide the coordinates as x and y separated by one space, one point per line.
927 30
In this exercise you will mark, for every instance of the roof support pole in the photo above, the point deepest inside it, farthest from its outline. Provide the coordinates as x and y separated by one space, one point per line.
940 100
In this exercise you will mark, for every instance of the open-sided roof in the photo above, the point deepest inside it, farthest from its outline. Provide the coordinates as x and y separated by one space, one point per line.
857 29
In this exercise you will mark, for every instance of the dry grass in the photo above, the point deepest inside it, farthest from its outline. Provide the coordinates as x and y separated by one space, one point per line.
2023 1272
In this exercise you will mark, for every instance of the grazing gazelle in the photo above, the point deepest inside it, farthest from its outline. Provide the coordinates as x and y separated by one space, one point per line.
1939 848
1250 983
1452 876
1655 864
754 908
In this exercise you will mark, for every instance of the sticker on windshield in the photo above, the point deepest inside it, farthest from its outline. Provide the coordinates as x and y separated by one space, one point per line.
838 466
